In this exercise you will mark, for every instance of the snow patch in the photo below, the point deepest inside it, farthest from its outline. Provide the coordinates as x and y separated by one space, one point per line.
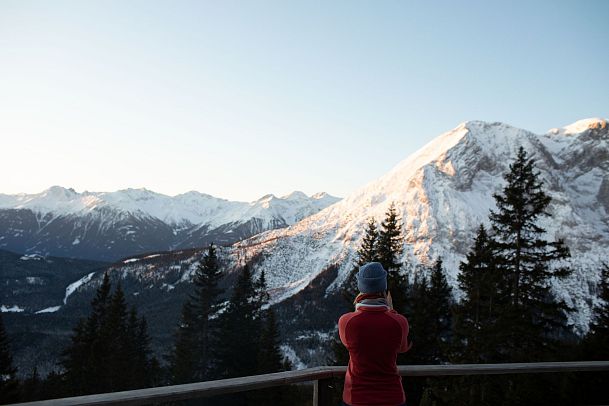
13 309
73 286
52 309
290 354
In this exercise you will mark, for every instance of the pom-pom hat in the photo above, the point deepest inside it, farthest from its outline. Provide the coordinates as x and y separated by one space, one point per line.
372 278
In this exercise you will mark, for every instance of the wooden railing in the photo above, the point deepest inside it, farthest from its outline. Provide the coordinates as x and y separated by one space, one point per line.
321 376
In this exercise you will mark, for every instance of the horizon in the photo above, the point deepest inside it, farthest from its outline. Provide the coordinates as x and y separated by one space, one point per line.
238 101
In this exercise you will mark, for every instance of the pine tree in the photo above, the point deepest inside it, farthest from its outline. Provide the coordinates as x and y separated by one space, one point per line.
389 244
476 315
192 358
113 333
475 319
270 359
531 316
181 362
240 330
389 250
367 252
82 360
440 304
104 349
430 317
9 386
205 304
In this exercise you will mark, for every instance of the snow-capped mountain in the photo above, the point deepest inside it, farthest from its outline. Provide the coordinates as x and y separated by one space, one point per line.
108 226
443 193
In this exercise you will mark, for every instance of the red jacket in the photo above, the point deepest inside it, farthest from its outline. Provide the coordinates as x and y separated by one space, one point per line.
374 336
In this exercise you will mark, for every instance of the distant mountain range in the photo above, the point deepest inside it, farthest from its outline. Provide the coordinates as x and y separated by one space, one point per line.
110 226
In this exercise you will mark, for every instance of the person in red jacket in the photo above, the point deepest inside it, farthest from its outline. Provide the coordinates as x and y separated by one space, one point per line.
374 334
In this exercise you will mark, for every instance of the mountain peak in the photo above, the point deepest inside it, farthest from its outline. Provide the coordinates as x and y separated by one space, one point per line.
581 126
60 192
295 195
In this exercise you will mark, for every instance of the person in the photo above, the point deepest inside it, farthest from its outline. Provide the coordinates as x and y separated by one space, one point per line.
373 334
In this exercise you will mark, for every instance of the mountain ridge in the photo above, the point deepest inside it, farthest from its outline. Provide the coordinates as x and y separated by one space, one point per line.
111 225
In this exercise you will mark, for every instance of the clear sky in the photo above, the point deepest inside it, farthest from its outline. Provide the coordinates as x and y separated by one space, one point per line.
243 98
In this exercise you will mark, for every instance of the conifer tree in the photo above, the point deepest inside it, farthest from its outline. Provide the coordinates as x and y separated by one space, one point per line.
103 350
389 243
181 362
529 310
240 330
192 358
440 305
476 315
430 316
475 318
389 250
113 333
205 304
367 252
9 386
82 360
270 359
419 320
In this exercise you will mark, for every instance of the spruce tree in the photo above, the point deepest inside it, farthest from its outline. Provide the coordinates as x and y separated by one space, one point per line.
270 359
113 334
440 305
240 330
104 349
476 315
367 252
205 304
181 363
531 316
389 243
475 319
389 250
430 317
9 386
83 359
192 358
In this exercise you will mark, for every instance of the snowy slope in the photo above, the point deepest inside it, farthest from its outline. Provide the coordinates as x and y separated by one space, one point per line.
443 192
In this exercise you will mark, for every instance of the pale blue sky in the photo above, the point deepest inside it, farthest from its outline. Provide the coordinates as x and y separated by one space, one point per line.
243 98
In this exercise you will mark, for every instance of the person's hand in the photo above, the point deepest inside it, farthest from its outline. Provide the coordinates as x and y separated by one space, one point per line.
389 300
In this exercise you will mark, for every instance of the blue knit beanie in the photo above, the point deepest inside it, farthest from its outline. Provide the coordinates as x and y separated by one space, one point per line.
372 278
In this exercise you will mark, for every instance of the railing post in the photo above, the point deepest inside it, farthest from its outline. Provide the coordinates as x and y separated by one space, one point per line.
322 392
